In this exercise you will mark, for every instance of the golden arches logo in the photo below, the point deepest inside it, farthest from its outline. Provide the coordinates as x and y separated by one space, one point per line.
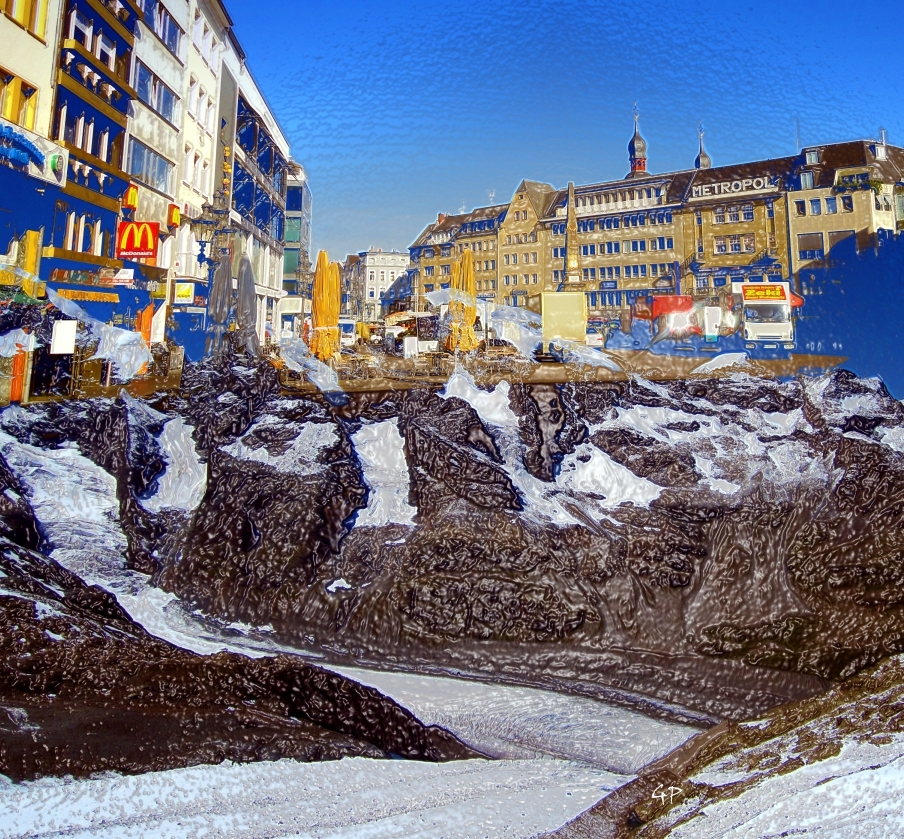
137 239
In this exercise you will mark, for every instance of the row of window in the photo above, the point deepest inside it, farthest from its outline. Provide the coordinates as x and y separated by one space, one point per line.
204 42
616 272
81 29
732 214
661 243
200 105
617 222
520 215
149 167
196 171
512 258
622 197
526 279
29 14
155 94
735 244
18 100
80 132
521 238
815 206
161 22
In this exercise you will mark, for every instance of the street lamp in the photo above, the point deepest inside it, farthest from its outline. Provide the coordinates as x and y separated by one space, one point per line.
211 229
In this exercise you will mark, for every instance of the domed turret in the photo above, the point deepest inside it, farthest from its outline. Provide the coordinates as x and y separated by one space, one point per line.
703 160
637 149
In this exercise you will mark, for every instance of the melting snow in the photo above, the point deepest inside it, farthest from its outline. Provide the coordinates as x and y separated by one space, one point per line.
300 458
354 797
588 469
720 362
519 722
183 484
336 585
381 450
493 407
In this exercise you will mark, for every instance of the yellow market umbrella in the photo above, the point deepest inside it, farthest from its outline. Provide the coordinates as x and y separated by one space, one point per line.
463 305
325 309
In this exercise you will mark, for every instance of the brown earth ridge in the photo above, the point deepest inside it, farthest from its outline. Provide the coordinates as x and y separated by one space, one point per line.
722 603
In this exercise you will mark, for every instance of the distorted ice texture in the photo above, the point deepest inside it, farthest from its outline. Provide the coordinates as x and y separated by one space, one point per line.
381 450
573 578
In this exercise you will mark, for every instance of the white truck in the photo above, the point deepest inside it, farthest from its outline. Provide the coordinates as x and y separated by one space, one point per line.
765 310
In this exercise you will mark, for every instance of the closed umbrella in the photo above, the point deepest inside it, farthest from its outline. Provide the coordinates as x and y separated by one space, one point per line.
246 309
463 305
325 308
219 302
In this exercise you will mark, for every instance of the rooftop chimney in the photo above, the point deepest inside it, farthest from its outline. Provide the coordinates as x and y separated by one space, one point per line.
440 217
883 136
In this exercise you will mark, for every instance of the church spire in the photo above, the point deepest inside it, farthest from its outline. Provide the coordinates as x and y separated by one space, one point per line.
637 149
572 270
703 160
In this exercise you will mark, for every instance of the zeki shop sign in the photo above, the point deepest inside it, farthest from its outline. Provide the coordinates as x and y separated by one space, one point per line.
738 187
137 239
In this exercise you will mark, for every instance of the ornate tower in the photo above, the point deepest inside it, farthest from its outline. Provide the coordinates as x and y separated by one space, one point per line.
637 149
572 269
703 160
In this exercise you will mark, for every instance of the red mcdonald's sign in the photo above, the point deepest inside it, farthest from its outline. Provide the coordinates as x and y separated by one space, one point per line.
137 239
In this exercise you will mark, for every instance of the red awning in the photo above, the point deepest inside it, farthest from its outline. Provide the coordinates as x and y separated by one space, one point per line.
667 305
796 301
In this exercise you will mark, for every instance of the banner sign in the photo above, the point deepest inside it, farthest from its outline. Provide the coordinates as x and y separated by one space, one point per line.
185 293
92 296
763 291
137 239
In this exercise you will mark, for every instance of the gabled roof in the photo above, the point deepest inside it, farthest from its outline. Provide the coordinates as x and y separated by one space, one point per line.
537 193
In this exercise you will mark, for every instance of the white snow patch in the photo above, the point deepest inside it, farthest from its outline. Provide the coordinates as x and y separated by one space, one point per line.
353 797
336 585
893 438
300 458
721 362
381 450
602 475
492 407
855 793
75 502
183 484
503 721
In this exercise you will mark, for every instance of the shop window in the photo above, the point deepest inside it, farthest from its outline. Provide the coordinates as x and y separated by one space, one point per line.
810 246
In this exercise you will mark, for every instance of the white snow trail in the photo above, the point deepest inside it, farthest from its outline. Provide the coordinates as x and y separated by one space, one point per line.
355 798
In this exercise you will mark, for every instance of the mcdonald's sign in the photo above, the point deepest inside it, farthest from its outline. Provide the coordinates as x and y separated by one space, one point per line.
130 198
137 239
173 216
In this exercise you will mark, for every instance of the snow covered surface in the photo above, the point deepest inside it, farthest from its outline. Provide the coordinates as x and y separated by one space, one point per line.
518 722
721 362
354 797
857 793
587 470
380 448
75 502
299 458
183 484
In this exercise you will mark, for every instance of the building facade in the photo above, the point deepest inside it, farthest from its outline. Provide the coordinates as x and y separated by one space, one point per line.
691 232
366 278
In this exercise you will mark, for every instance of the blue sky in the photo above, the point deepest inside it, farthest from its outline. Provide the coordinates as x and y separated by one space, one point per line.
402 110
